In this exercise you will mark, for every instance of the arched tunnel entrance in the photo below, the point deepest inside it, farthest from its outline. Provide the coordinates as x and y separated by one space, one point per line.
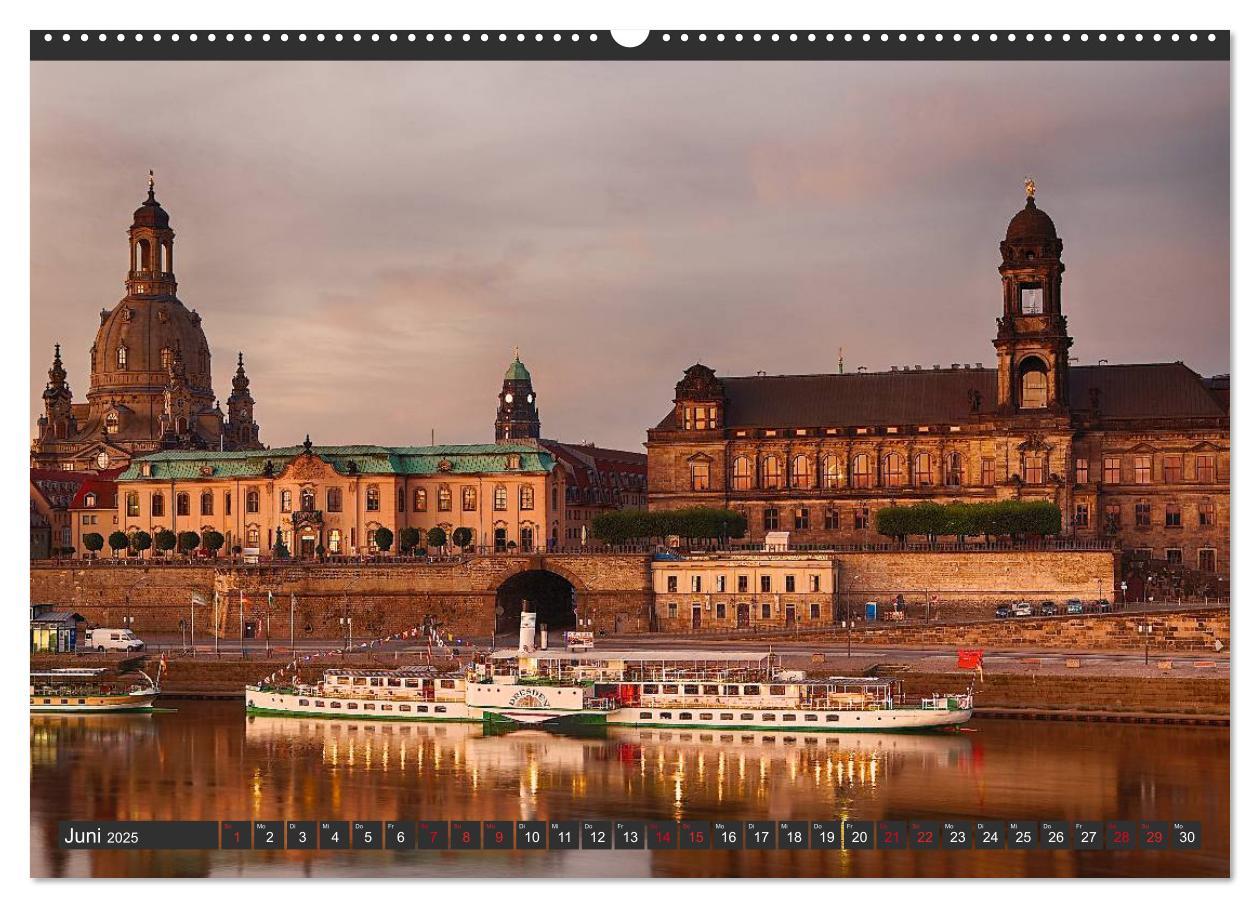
549 595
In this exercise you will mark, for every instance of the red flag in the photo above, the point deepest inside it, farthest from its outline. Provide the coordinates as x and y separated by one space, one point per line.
970 658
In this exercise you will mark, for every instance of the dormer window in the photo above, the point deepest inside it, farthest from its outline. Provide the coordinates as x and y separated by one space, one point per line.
89 500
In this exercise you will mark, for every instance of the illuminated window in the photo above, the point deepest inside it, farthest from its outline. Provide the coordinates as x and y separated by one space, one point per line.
894 469
1111 470
833 475
468 498
334 542
286 501
133 504
922 469
742 474
771 472
1034 468
444 497
699 475
1082 471
802 472
861 471
122 357
1142 469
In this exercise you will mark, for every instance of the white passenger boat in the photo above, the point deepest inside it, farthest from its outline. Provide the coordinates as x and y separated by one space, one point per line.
86 690
664 689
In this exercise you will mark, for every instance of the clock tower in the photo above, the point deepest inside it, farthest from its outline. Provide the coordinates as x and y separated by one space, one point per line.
517 417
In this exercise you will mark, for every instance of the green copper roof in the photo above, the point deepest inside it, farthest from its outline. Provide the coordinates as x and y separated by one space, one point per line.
516 371
370 460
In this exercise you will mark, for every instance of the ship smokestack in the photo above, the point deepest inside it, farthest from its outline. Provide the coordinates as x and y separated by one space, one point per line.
527 628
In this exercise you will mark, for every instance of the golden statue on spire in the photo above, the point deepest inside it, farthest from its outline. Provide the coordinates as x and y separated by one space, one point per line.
1030 187
150 179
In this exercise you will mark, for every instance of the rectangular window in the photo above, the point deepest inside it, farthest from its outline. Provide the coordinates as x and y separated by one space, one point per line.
1172 556
699 476
1207 560
671 584
133 504
1172 514
1111 470
227 504
468 498
742 583
831 519
1205 468
765 611
815 610
1112 524
815 583
765 583
695 583
1142 514
721 610
1142 469
862 518
1207 514
1034 469
373 498
1172 468
986 471
1082 471
720 583
333 500
790 583
770 519
1030 302
673 610
801 519
157 505
1081 519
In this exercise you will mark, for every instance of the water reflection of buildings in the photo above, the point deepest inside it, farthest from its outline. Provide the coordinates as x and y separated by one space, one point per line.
207 761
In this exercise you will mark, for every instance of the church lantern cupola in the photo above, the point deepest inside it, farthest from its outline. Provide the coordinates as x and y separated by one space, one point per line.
241 430
517 419
1032 341
152 271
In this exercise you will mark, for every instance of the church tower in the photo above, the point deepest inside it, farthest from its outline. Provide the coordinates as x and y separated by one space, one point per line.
241 430
1032 340
58 419
517 419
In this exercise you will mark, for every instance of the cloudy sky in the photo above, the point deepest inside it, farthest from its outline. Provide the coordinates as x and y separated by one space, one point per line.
377 237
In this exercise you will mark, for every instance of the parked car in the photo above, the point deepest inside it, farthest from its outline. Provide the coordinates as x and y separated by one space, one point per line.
1022 610
1075 607
1003 611
1103 605
112 638
1048 608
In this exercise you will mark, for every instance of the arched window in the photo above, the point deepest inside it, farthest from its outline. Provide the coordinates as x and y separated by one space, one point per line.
167 356
419 500
334 542
861 471
251 537
111 423
954 469
182 504
334 500
468 498
157 505
923 469
1034 385
833 475
527 498
699 470
286 501
527 534
89 500
133 504
251 501
307 497
742 474
144 256
444 497
802 472
500 498
373 497
771 472
207 504
122 356
894 469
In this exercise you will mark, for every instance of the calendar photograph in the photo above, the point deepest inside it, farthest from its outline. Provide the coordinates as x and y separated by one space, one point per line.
593 455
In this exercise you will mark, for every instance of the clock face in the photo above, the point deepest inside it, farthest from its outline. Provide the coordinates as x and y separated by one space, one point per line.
507 398
102 460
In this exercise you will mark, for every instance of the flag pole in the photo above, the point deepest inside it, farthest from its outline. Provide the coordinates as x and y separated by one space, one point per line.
292 607
216 622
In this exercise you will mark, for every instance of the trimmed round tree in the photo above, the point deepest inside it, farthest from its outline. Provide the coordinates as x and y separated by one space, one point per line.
165 541
93 542
212 541
140 541
436 537
408 539
462 537
384 539
188 540
117 542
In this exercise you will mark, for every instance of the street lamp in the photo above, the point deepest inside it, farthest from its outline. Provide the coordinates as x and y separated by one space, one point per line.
1146 630
347 622
848 617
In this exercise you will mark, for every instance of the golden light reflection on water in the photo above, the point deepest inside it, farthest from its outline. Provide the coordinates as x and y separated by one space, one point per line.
227 766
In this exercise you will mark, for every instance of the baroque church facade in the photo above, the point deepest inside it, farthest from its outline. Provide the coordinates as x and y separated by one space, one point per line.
1136 455
150 383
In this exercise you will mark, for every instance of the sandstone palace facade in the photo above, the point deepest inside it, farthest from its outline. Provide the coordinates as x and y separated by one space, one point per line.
150 387
1136 454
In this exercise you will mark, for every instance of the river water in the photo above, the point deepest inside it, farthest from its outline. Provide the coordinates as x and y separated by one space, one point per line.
208 760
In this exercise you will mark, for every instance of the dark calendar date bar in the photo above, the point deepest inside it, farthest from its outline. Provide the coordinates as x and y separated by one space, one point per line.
622 835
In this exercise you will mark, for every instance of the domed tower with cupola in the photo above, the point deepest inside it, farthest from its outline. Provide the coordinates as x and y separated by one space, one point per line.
149 372
517 418
241 430
1032 340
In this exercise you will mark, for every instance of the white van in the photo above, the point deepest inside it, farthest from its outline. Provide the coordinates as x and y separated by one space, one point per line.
102 639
